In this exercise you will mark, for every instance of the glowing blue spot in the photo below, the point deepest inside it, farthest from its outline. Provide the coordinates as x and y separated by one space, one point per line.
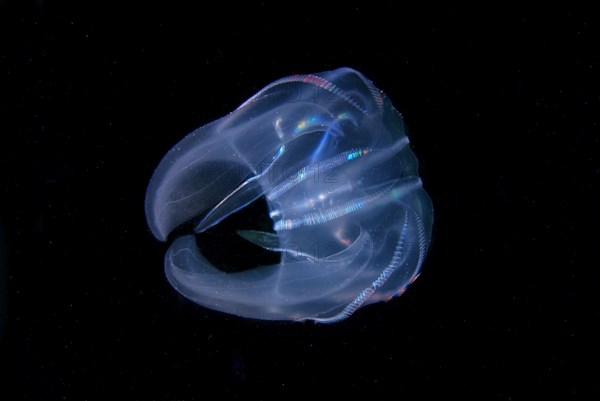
279 152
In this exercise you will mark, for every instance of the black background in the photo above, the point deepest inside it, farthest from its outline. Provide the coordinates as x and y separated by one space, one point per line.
501 106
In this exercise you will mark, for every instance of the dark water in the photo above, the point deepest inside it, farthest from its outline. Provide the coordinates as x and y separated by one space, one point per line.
501 107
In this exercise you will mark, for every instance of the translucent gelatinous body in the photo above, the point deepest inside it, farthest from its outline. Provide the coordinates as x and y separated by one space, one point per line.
329 154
